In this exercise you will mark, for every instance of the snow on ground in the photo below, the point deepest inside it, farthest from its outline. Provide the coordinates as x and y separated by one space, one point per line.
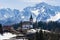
10 35
35 30
7 36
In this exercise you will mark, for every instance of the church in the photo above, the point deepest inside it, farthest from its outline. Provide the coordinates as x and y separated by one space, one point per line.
27 24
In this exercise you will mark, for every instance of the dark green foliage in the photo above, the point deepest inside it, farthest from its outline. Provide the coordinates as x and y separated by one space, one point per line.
37 36
41 35
49 25
1 29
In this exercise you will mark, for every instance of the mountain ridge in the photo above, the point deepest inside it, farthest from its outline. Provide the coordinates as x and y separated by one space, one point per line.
41 12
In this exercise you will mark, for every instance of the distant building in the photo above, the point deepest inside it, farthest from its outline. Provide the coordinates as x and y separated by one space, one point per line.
7 28
27 24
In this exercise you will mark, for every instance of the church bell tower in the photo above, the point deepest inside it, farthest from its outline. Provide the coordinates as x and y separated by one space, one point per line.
31 19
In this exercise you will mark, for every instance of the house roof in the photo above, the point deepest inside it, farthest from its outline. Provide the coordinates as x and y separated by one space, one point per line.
26 22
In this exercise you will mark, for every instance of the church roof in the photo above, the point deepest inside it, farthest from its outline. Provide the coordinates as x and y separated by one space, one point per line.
26 22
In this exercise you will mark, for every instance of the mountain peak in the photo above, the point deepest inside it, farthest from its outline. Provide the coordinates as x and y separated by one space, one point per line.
41 12
42 3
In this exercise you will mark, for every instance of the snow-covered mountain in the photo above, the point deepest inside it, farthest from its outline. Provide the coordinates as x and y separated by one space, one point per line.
41 12
44 12
8 16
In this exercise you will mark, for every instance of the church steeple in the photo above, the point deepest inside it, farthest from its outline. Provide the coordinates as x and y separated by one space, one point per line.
31 18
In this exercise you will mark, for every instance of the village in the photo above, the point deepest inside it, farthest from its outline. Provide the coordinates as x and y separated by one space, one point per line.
28 30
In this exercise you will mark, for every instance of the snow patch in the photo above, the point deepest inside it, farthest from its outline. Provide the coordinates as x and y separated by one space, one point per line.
5 16
23 17
36 12
7 36
54 18
42 9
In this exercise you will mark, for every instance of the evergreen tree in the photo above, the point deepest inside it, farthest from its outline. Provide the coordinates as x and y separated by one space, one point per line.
37 36
41 35
1 30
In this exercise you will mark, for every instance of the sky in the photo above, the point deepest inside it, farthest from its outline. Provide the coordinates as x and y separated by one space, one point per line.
21 4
